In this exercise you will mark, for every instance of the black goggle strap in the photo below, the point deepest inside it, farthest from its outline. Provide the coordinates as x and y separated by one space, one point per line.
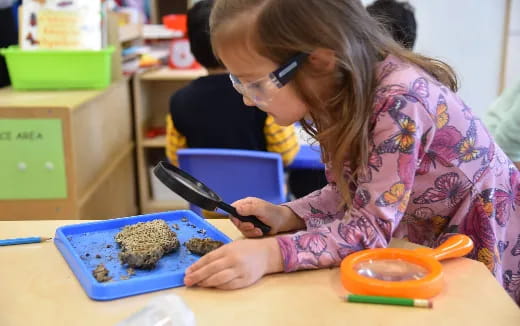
286 72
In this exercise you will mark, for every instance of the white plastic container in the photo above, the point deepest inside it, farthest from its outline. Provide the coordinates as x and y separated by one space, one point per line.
163 310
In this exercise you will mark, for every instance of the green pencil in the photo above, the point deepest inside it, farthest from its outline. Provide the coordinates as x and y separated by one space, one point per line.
421 303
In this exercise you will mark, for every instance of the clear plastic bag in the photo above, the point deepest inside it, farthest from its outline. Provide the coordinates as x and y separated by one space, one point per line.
163 310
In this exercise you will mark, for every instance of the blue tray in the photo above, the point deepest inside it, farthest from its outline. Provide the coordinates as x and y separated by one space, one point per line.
97 238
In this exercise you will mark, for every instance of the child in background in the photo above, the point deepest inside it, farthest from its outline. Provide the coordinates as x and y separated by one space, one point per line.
406 158
503 121
209 113
398 18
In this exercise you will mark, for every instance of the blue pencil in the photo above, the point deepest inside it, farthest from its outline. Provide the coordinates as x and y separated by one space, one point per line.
17 241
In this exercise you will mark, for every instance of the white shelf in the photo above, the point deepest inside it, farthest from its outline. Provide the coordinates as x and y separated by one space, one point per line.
130 32
165 73
159 32
156 142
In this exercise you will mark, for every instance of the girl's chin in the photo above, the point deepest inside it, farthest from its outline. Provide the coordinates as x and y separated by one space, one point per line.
283 123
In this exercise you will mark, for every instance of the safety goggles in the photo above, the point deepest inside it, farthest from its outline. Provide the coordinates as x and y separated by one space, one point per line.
262 91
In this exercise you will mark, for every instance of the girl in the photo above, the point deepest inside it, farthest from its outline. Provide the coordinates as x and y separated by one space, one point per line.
405 156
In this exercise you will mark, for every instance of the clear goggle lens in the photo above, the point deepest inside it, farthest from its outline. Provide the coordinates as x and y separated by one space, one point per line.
260 92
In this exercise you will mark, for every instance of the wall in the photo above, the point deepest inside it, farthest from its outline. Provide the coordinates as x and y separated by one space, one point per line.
512 73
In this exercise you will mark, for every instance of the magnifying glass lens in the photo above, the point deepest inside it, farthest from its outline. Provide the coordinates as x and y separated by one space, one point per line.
392 270
199 194
196 186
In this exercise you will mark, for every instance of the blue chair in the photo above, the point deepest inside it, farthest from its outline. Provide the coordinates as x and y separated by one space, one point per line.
236 174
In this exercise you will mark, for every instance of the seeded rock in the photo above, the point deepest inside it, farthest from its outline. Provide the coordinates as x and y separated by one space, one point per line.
144 243
201 247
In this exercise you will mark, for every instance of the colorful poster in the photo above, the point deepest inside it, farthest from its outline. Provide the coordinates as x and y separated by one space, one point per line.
61 24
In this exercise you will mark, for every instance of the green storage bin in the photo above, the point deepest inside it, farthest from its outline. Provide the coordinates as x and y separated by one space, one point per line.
58 69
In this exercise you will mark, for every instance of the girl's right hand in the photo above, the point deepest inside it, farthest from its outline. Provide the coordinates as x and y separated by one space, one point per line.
279 218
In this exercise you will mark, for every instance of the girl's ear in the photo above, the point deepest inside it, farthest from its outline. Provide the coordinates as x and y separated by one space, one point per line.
323 60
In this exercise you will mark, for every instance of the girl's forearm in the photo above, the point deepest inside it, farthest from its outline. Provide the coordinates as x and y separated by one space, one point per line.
292 221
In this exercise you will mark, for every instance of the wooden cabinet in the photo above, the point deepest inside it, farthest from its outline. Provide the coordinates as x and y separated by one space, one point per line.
67 154
152 91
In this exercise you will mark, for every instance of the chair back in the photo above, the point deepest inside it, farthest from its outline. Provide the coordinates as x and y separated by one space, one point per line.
236 174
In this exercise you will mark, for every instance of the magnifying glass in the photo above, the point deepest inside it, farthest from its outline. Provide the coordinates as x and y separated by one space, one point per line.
403 273
199 194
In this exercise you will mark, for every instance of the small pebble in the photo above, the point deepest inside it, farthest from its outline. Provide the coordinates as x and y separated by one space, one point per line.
176 227
98 256
109 246
87 254
184 219
101 273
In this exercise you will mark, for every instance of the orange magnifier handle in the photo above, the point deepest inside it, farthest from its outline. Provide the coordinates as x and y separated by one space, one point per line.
458 245
427 286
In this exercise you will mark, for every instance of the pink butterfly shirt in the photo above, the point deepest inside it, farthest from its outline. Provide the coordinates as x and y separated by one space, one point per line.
433 171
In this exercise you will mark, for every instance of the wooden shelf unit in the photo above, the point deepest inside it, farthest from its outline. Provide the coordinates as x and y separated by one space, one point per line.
98 152
152 91
130 32
156 142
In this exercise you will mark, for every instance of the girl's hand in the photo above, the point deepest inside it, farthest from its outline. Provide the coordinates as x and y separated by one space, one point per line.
236 265
279 218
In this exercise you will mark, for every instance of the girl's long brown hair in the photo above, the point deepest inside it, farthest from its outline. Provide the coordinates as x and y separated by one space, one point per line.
278 29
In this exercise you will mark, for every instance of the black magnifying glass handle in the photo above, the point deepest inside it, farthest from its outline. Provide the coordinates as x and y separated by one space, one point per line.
251 218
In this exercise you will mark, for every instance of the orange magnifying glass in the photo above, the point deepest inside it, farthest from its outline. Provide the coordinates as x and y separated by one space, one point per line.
403 273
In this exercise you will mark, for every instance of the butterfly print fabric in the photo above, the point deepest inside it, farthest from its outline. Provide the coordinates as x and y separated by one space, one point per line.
433 171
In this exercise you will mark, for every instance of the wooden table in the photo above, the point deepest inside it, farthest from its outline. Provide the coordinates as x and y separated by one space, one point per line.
38 288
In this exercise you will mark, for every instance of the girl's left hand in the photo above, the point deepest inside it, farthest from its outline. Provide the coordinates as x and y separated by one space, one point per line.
236 265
